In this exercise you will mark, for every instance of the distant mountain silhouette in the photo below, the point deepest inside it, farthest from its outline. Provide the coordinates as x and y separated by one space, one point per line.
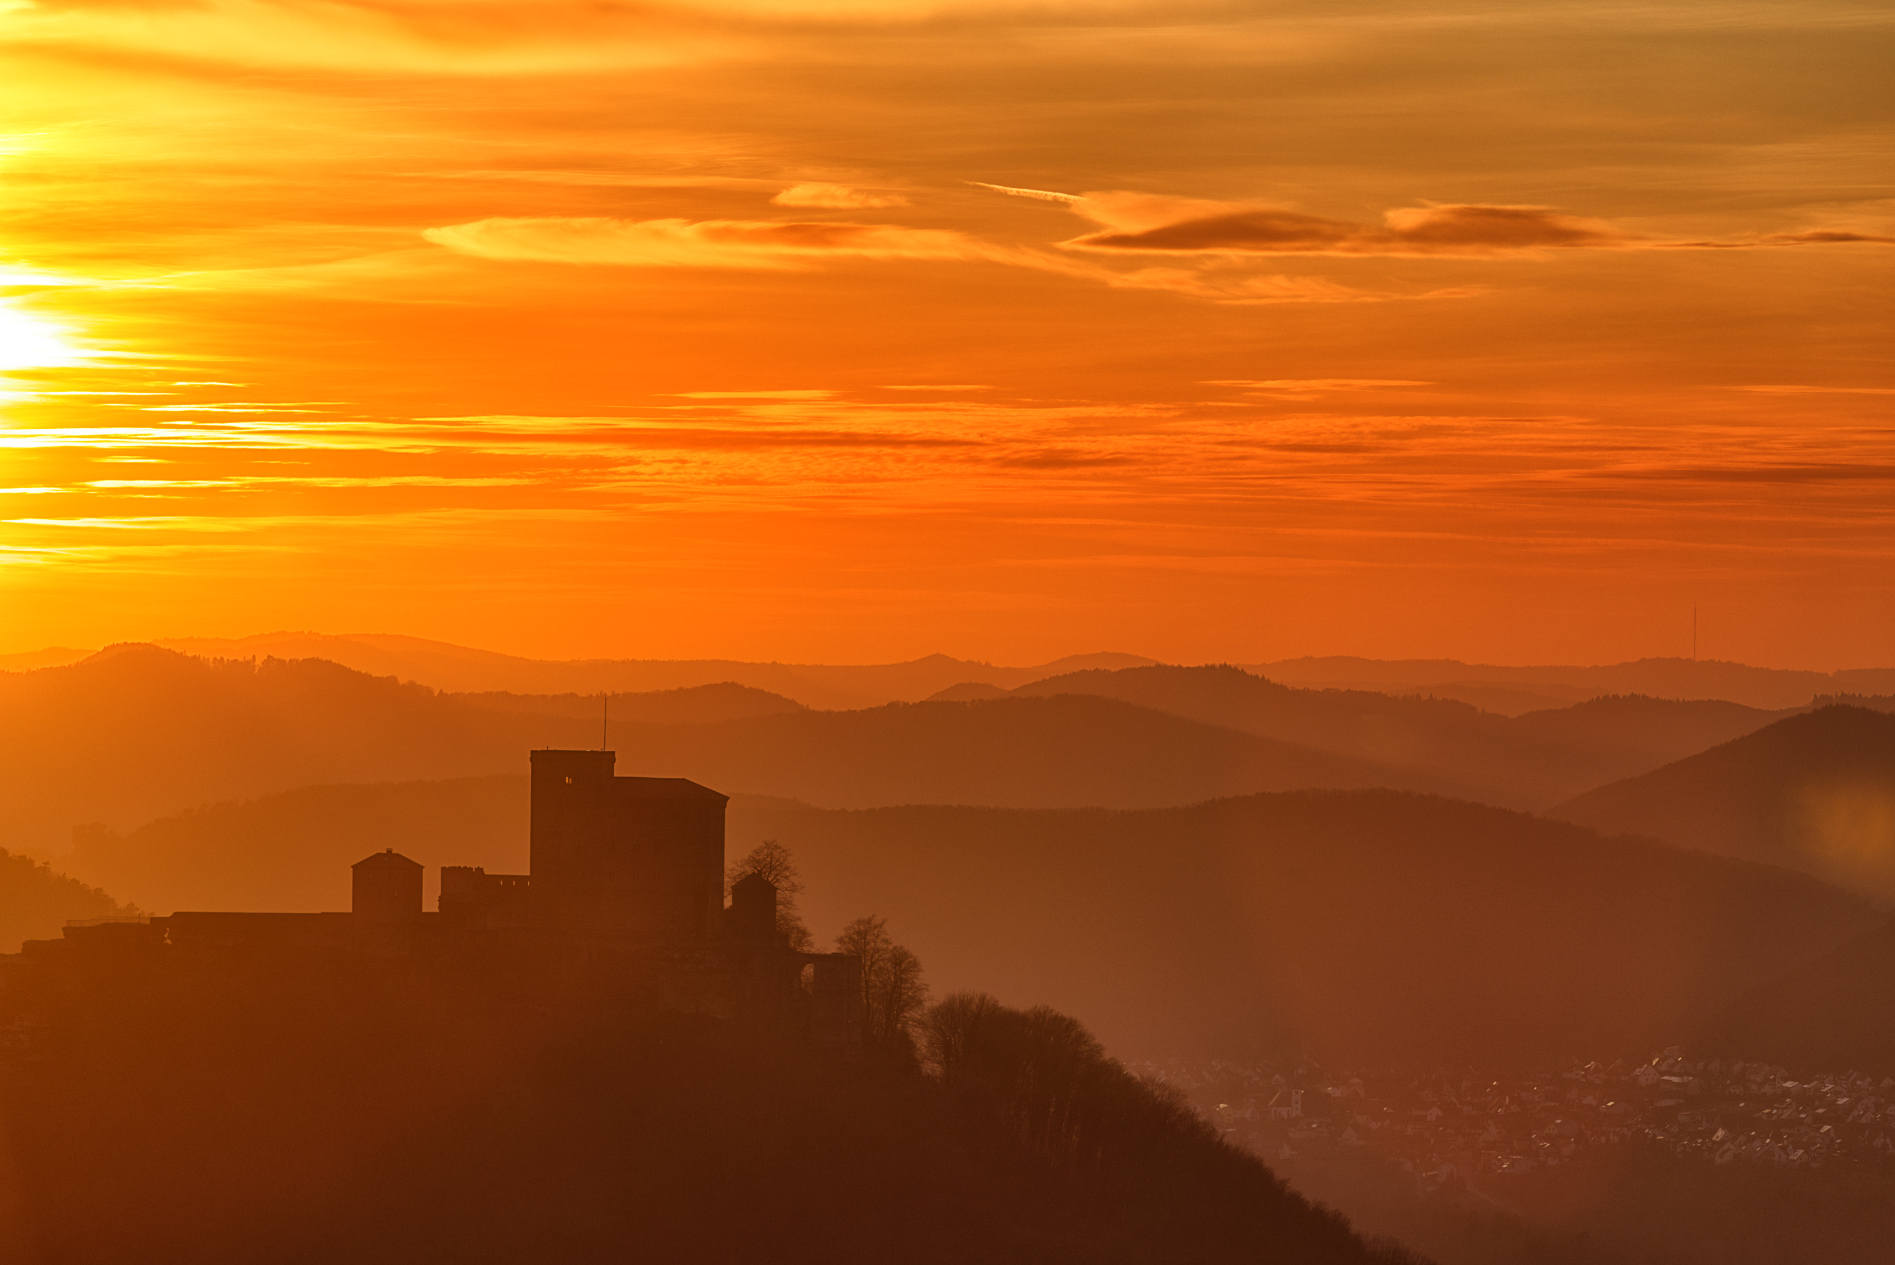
1528 762
1068 750
1505 690
1516 689
286 850
51 657
292 850
1834 1014
1814 792
35 902
458 668
694 704
135 732
138 732
966 692
1369 924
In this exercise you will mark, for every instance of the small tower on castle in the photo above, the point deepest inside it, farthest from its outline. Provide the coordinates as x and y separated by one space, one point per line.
386 887
752 913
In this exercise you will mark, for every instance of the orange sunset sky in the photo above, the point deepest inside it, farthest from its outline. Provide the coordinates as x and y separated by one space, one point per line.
858 330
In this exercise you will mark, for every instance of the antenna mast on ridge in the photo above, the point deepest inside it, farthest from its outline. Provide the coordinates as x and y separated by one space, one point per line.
605 719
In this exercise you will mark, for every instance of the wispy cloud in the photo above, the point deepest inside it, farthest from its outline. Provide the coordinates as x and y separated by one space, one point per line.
677 243
1796 389
1316 384
793 394
837 196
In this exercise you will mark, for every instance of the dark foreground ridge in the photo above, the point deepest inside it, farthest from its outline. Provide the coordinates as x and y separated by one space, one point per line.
599 1061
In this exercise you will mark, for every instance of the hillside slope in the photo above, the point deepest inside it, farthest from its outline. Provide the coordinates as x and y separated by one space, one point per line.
444 666
136 732
1834 1014
1526 688
35 902
1065 751
1815 792
1370 925
1526 762
139 732
292 851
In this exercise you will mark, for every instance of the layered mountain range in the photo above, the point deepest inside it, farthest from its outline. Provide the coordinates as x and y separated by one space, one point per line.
1197 859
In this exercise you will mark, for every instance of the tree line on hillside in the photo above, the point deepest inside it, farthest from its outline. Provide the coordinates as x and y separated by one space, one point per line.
36 903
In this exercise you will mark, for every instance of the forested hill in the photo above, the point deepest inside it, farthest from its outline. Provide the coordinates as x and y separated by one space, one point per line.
1815 792
1528 761
1836 1013
354 1111
1369 925
36 902
139 732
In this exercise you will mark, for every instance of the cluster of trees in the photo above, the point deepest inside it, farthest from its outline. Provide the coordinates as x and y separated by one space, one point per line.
1050 1086
1038 1083
894 992
35 902
771 860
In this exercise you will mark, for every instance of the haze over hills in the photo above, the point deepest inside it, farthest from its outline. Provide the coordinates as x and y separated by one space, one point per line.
687 705
1534 687
35 902
1814 792
1507 690
1369 923
1068 750
166 731
136 732
1373 924
292 850
464 670
1530 761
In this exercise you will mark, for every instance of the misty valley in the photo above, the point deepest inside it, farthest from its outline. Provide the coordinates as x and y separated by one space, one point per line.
382 949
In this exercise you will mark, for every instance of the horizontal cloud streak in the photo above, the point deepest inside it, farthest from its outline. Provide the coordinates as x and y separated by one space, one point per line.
677 243
803 245
1139 223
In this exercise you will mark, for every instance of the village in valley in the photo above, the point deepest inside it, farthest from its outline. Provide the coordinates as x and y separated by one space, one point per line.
1450 1128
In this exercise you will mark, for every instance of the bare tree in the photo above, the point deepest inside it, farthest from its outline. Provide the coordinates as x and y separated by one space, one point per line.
772 861
894 994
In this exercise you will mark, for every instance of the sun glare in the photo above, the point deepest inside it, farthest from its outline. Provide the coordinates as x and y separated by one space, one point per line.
32 342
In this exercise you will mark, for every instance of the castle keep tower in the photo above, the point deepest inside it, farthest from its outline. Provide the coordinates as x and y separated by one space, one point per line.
640 856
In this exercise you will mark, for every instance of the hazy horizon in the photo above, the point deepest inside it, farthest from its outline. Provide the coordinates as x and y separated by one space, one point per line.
198 642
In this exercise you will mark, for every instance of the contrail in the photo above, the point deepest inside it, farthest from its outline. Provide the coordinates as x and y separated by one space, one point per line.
1042 194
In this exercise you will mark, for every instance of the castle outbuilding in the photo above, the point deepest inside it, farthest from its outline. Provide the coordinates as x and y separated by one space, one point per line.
385 888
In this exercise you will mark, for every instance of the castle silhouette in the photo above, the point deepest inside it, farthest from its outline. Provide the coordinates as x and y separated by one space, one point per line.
625 894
